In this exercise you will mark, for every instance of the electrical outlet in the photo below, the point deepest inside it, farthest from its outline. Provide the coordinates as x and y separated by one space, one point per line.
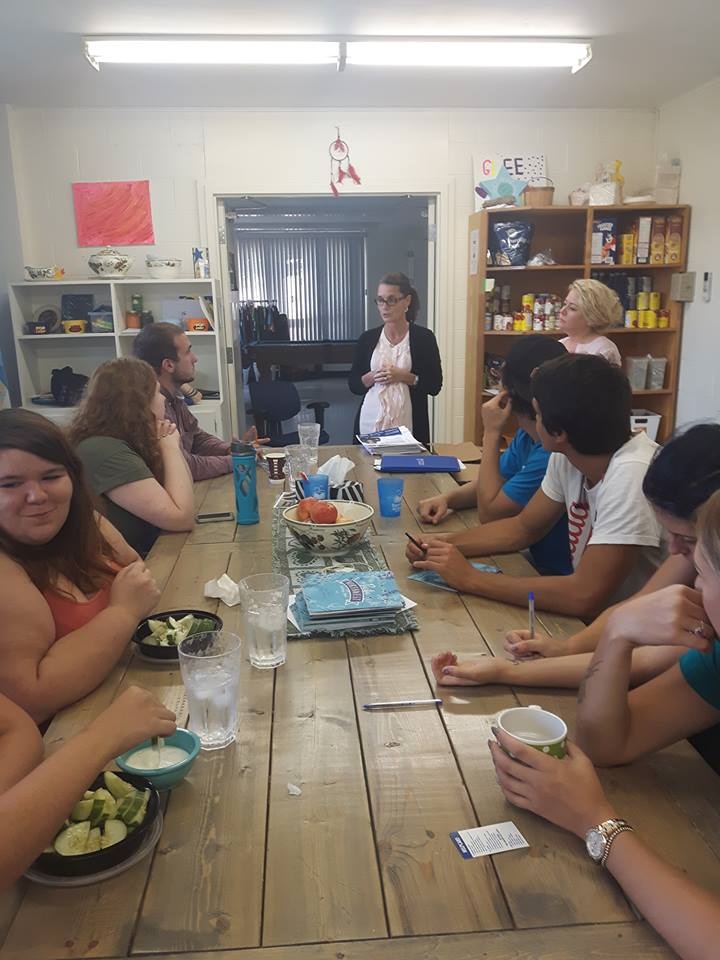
682 287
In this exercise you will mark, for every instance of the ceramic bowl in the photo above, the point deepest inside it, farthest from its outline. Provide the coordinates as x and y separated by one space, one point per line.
84 863
154 652
110 263
164 778
163 268
331 539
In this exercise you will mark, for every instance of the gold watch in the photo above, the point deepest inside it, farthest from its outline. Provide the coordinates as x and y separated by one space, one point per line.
599 839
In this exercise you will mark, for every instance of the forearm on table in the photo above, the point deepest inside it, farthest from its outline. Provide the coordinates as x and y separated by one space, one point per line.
554 594
490 480
77 663
463 497
21 749
207 445
501 536
32 811
207 468
603 717
684 914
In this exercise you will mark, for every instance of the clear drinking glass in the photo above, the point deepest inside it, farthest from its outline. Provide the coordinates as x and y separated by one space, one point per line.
210 668
298 460
264 606
309 436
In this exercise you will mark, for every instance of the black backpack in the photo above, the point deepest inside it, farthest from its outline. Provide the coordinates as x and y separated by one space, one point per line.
67 387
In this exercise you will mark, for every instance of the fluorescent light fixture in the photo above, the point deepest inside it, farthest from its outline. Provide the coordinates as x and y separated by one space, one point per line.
500 53
482 52
209 50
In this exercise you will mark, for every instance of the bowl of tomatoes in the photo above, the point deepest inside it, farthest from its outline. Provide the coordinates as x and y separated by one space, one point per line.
328 527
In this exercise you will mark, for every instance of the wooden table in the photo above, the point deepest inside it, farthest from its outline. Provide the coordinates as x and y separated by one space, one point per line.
360 865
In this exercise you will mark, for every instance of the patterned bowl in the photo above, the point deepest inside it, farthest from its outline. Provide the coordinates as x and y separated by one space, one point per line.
110 263
331 539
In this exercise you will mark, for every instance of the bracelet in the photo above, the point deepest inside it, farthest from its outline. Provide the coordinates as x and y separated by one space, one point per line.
622 827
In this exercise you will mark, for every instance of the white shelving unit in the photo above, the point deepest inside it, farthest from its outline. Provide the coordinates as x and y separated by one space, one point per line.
39 354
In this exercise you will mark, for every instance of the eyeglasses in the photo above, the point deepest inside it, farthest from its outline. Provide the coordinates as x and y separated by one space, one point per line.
388 301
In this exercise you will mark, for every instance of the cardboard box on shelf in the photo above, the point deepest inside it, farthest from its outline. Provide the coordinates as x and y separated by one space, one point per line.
644 229
657 240
673 238
604 241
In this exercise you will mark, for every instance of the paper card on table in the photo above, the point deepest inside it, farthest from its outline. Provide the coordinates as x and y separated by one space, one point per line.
484 841
433 579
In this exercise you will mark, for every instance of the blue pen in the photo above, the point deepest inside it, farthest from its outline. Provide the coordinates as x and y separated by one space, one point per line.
531 614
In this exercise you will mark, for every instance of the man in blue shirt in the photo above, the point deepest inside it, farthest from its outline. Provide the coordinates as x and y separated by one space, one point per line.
507 481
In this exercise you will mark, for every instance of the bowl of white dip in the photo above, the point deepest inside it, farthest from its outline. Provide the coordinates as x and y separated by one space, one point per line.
164 763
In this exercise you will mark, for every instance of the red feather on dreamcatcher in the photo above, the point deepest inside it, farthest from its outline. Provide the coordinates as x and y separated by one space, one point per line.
340 166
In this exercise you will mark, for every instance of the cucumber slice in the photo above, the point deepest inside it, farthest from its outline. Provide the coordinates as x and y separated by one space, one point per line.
89 795
139 816
128 808
104 807
81 810
116 785
93 841
74 840
113 832
156 626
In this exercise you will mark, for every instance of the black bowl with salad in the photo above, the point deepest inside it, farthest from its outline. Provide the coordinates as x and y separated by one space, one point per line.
158 636
107 825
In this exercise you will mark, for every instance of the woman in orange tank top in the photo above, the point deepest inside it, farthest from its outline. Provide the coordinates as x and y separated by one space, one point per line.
71 590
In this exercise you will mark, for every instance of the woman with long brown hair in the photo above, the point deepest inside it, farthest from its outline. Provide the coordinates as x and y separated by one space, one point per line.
132 455
71 590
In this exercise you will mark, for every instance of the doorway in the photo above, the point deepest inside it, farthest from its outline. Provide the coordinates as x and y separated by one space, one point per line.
302 272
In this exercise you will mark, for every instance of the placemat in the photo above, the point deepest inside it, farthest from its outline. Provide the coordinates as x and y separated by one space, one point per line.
295 562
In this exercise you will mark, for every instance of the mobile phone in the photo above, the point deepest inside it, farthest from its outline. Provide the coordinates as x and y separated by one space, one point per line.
214 517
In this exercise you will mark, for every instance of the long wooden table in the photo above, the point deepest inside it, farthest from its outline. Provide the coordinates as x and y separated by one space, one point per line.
360 865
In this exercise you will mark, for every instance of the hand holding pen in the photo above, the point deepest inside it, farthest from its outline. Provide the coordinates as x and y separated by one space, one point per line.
415 550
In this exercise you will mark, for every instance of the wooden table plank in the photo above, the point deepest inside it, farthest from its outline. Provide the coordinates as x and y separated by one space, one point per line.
611 941
551 883
418 798
209 864
322 878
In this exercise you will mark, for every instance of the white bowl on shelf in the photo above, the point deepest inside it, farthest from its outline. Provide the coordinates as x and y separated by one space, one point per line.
163 268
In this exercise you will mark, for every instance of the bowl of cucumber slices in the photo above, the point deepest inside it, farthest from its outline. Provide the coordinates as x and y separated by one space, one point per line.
158 636
106 826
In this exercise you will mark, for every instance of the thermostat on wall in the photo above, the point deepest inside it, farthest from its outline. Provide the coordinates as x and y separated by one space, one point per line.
682 287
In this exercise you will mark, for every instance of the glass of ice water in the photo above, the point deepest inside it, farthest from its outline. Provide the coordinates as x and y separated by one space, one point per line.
210 668
309 437
264 604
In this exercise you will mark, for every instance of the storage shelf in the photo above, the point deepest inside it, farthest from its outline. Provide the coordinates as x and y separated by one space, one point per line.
652 393
635 266
561 333
546 266
64 336
190 333
104 281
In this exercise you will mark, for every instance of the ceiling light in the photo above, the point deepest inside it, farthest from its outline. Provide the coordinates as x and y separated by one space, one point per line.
485 52
209 50
500 53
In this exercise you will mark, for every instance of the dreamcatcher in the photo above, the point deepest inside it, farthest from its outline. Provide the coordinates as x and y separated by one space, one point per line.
340 166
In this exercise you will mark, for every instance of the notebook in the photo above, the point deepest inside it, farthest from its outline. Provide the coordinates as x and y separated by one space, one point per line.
348 595
429 463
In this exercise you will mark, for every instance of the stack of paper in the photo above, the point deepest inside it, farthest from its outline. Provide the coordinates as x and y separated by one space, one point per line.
347 600
396 440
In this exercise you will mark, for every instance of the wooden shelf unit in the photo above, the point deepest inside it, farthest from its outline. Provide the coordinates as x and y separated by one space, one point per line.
567 232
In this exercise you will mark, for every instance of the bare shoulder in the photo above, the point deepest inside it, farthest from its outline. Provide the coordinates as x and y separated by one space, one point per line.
124 553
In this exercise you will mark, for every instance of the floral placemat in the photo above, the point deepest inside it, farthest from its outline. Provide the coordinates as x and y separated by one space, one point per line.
295 562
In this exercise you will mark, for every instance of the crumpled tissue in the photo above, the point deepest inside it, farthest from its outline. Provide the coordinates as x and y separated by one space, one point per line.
337 468
225 589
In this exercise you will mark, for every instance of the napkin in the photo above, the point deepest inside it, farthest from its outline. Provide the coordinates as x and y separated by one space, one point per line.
225 589
336 468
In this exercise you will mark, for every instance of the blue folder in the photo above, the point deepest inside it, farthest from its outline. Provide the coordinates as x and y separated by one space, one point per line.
427 463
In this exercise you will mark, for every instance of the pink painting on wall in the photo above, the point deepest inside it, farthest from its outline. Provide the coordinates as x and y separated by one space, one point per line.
113 213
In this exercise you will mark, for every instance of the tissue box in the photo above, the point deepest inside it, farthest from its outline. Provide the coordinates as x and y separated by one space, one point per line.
350 490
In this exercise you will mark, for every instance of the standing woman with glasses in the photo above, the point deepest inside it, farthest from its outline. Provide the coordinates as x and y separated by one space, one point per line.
396 365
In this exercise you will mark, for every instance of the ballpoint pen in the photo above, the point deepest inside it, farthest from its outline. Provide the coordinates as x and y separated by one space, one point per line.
416 542
531 614
402 703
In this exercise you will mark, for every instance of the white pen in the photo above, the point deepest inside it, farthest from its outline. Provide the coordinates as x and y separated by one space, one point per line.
531 615
401 703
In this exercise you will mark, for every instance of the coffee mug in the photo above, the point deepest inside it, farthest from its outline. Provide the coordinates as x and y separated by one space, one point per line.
536 727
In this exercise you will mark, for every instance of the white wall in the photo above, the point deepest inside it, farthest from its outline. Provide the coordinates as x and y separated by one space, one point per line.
688 128
11 261
186 154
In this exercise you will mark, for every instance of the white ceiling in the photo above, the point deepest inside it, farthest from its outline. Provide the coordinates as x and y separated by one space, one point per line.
644 53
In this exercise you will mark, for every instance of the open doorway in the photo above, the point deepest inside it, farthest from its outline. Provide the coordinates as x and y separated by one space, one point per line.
302 275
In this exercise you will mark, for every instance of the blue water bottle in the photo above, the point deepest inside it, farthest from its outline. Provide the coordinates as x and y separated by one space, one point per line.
245 477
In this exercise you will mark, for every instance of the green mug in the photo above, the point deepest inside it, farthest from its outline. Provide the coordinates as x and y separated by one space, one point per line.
536 727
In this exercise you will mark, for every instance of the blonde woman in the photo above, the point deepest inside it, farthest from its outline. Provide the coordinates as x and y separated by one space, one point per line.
132 455
590 308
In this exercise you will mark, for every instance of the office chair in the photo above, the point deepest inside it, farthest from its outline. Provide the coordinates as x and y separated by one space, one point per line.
272 402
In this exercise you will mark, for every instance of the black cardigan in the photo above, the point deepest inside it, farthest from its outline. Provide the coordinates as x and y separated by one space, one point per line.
425 358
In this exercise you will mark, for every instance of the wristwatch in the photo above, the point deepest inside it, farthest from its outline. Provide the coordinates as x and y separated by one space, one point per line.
599 839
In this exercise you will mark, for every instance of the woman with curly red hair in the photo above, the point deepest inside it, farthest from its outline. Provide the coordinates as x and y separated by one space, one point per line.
132 455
